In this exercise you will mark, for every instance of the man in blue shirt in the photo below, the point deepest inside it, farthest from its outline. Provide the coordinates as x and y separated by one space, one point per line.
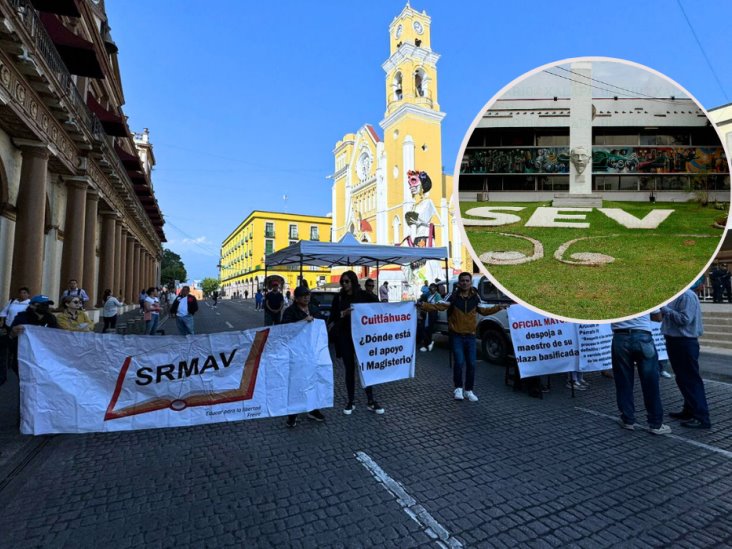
633 346
682 326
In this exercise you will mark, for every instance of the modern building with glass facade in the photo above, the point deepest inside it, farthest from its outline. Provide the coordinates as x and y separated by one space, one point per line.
636 149
261 233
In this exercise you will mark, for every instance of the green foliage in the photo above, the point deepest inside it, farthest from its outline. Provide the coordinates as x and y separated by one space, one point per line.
209 285
172 268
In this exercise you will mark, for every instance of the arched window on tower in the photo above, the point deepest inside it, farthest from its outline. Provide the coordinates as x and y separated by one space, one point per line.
397 85
396 226
420 83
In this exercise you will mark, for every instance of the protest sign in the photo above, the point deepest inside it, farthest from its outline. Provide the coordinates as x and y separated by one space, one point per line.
544 345
384 336
72 382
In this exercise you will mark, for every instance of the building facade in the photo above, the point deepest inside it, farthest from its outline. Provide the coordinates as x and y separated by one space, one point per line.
371 194
76 199
615 148
243 252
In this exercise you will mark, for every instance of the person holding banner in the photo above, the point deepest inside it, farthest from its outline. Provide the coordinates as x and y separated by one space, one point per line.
301 310
681 327
463 306
340 316
633 347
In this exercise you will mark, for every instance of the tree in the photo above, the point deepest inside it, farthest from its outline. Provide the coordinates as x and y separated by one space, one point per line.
172 268
209 285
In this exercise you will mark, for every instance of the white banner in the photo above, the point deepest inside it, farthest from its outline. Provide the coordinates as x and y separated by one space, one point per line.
72 382
384 336
544 345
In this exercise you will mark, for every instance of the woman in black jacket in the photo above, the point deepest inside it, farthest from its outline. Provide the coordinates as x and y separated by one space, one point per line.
340 316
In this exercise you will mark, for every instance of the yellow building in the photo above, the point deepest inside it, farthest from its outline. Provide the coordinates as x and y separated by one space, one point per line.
371 194
260 234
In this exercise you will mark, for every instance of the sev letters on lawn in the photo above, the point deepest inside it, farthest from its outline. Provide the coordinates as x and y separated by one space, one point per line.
73 382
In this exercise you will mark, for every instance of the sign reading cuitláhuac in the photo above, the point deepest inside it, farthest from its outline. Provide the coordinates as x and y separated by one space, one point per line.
384 336
72 382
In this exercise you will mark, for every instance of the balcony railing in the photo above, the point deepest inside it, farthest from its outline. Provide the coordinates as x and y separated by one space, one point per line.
293 235
269 234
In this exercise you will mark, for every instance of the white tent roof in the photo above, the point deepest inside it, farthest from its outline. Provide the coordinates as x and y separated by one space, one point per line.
349 252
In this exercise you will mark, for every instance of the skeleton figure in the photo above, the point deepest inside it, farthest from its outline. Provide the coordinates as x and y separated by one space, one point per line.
421 231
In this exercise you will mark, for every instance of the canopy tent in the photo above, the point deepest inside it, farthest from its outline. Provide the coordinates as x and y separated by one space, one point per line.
349 252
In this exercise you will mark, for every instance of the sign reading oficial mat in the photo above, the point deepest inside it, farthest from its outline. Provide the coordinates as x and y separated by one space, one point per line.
74 382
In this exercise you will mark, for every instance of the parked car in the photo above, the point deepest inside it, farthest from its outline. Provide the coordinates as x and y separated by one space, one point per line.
324 301
492 330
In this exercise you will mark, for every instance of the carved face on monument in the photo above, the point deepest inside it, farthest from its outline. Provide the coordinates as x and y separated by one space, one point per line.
580 158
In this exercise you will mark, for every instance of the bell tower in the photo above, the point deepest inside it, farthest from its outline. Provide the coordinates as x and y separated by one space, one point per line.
412 122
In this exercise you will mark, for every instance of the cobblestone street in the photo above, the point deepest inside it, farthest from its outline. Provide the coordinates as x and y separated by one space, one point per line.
509 470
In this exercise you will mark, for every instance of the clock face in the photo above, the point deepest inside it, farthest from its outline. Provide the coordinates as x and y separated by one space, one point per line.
399 31
418 27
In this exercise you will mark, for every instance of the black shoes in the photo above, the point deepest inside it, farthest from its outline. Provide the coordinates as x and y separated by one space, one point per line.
682 415
374 407
316 415
291 421
695 424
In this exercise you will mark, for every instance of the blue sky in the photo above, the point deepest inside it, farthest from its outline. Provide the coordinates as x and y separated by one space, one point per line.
246 100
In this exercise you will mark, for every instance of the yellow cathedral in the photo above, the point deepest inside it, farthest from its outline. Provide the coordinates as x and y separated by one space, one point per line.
379 193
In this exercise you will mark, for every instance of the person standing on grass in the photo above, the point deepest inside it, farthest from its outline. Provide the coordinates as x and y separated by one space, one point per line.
463 306
301 310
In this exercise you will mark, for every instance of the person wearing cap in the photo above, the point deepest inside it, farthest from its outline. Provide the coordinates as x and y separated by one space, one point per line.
37 314
274 302
632 348
301 310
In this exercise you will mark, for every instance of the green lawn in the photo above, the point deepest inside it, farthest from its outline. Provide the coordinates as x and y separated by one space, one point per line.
650 265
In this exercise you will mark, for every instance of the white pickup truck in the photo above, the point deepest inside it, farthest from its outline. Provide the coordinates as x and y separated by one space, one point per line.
492 330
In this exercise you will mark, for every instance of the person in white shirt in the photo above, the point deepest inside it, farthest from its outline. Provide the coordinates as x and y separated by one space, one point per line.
110 310
152 311
7 316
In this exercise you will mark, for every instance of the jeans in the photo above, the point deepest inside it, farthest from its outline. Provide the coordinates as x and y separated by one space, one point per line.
184 324
463 350
271 318
683 353
111 322
629 351
152 324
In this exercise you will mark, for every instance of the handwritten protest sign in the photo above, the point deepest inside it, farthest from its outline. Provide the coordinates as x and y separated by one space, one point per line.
72 382
544 345
384 336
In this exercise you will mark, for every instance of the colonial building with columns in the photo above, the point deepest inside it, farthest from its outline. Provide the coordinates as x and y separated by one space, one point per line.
76 198
371 194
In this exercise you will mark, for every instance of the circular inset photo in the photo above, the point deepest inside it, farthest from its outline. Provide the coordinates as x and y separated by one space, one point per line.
593 189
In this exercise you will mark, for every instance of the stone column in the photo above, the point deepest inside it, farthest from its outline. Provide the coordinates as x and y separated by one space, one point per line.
122 254
130 288
30 221
88 279
117 258
107 256
72 258
136 284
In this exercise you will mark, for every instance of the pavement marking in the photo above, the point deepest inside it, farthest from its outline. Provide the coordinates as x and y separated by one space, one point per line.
416 512
229 324
725 453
